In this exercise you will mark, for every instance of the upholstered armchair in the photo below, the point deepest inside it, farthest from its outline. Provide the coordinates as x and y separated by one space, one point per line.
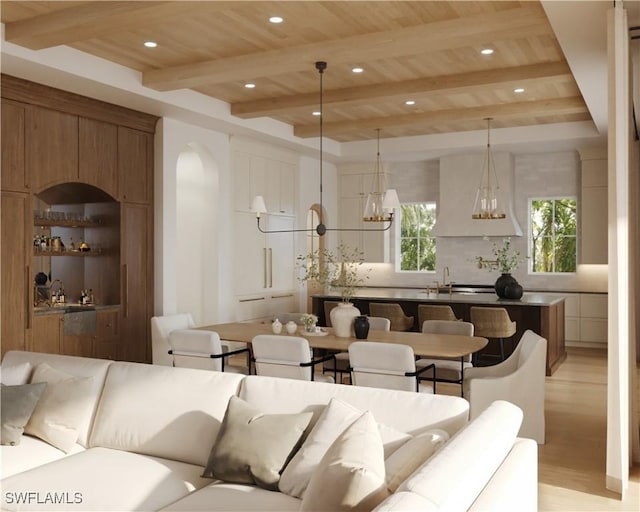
519 380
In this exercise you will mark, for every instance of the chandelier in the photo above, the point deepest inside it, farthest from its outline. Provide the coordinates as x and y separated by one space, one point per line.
380 203
386 205
488 204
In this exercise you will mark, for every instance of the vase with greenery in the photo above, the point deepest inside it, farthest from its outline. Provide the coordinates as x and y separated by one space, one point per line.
506 261
342 270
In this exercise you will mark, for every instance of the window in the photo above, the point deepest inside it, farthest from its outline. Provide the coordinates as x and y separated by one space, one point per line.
417 248
553 235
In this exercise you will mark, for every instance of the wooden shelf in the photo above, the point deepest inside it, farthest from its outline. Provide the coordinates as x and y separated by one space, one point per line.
66 223
81 254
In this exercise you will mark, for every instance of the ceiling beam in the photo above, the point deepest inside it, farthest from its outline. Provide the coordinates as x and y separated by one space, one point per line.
556 106
362 95
94 19
419 39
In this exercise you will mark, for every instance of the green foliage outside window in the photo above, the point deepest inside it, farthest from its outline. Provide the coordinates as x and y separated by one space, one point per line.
417 246
553 235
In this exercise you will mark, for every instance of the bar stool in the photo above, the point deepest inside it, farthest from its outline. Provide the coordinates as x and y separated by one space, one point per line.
394 312
493 323
434 312
328 306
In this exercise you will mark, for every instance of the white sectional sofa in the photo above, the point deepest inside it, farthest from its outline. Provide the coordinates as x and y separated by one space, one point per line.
146 437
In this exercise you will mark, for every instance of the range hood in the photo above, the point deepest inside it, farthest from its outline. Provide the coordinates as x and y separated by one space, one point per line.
459 180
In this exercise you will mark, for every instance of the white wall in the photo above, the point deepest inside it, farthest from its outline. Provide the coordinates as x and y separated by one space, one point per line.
212 280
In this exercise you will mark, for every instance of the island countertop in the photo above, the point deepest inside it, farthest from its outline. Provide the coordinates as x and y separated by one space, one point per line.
418 295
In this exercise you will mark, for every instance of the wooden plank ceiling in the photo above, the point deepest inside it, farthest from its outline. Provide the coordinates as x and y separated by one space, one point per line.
425 51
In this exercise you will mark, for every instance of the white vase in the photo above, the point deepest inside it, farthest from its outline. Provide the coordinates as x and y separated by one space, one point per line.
342 318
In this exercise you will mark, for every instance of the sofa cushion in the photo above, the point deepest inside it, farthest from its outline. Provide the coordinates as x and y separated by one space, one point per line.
174 413
333 421
407 502
252 447
350 476
457 473
412 413
14 375
60 411
411 455
76 366
17 404
30 453
103 479
225 497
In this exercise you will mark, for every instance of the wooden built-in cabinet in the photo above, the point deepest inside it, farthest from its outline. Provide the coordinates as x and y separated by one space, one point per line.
15 306
68 151
12 143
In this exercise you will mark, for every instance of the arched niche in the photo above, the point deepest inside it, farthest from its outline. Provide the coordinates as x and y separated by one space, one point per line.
83 217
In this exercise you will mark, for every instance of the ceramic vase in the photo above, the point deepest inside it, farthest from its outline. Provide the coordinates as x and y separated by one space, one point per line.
501 284
513 291
342 318
361 327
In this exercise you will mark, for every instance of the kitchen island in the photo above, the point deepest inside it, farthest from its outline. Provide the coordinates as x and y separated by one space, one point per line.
543 314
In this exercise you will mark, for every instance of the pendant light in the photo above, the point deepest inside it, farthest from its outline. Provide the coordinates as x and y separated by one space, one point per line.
389 202
380 203
489 204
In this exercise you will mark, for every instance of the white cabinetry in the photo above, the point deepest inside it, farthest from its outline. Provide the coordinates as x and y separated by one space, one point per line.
264 266
593 208
272 179
354 188
586 319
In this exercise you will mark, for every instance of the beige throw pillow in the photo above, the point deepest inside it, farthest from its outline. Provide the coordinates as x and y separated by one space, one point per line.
351 475
16 406
253 447
411 455
61 408
15 375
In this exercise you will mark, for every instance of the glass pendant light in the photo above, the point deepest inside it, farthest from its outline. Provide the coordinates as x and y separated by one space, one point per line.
489 203
380 204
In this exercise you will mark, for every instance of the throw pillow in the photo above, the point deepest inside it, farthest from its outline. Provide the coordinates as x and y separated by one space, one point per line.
15 375
253 447
61 409
411 455
16 406
333 421
350 476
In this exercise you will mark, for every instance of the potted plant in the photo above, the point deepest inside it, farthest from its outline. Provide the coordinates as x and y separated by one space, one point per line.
506 261
340 269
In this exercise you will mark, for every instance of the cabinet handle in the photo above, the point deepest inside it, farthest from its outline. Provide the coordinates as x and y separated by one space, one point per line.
27 310
125 275
270 267
282 296
251 300
264 261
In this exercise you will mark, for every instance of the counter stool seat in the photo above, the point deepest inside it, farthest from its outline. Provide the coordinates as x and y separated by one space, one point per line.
493 323
394 312
434 312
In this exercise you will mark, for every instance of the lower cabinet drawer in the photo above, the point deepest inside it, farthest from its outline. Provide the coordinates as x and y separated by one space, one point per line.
593 330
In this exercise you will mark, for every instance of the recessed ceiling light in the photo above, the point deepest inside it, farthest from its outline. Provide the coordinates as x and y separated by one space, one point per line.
486 51
357 70
316 113
518 90
250 86
410 102
150 44
276 19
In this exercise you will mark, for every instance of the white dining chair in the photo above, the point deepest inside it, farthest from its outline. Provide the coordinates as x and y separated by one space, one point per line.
447 369
286 356
341 363
161 327
385 365
192 348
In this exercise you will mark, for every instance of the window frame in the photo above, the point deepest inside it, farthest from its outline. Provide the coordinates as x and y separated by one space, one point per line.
398 238
530 247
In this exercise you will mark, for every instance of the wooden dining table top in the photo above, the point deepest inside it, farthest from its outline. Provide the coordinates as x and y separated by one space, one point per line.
423 344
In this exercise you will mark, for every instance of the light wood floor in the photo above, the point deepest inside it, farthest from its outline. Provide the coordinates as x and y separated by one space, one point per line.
572 462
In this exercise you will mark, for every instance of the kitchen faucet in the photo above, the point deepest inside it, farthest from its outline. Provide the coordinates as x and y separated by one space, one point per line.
445 276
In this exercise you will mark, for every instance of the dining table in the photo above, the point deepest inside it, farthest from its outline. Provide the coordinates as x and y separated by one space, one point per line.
427 345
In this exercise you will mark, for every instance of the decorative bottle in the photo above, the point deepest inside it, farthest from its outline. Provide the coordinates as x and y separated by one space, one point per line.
276 326
361 327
